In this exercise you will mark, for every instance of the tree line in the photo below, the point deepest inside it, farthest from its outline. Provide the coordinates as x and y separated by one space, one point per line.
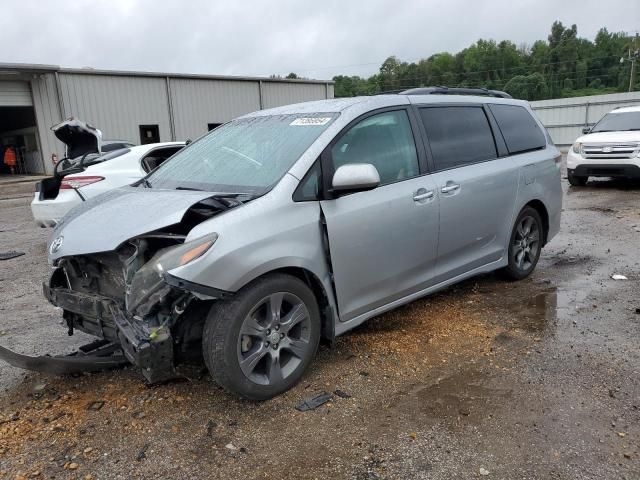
564 65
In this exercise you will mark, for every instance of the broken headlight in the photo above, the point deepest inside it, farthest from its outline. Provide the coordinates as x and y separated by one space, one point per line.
148 286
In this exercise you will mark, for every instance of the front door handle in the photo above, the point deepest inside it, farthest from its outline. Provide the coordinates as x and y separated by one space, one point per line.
422 194
450 187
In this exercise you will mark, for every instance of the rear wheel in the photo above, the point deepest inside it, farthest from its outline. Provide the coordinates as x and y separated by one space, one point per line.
259 343
576 180
525 245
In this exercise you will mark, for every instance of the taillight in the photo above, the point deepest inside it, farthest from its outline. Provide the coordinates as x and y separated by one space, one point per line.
77 182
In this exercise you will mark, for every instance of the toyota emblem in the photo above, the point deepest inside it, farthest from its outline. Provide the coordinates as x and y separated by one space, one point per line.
56 244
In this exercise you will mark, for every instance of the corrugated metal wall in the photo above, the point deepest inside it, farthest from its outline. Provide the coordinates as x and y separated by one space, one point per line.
47 111
117 105
198 102
14 94
565 117
275 94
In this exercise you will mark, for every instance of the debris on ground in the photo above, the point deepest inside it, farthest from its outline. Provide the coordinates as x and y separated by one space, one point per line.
142 454
211 426
341 394
95 405
13 418
616 276
9 255
230 446
484 472
314 402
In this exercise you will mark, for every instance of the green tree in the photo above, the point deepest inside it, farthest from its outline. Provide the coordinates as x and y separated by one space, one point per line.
529 87
562 65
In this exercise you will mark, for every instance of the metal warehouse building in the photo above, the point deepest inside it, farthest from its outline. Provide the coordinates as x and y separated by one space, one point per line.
139 107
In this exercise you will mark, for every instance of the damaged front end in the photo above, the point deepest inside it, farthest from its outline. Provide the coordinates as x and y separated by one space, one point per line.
128 297
125 294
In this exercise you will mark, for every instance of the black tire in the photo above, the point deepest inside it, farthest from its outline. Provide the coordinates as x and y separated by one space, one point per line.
225 338
521 267
575 180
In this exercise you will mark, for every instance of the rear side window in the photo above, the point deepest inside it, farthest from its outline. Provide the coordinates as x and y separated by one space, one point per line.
520 131
384 140
458 136
156 157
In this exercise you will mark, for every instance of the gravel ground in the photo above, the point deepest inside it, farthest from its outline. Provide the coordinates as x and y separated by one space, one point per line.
537 379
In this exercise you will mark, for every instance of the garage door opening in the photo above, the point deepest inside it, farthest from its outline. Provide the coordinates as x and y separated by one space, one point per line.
18 131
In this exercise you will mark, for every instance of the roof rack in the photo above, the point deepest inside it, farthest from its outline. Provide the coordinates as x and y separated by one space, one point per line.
454 91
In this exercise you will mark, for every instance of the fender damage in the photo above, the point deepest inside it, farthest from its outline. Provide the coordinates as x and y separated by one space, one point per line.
127 298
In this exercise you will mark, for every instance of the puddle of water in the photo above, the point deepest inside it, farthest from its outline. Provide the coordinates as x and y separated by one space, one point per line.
543 312
466 396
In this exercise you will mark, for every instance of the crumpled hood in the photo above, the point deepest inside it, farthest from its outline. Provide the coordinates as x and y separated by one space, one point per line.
104 222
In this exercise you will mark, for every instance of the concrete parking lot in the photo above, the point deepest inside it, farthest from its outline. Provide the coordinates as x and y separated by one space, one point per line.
531 380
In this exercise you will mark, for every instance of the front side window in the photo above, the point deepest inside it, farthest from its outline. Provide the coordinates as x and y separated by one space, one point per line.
248 155
458 136
617 122
520 131
384 140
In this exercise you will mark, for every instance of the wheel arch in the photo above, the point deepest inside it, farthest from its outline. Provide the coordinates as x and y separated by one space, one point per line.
541 208
325 299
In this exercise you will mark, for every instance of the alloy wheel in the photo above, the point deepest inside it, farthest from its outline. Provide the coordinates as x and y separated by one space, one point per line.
526 243
274 338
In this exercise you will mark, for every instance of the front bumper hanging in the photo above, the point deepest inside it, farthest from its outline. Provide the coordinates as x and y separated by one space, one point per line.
97 356
123 340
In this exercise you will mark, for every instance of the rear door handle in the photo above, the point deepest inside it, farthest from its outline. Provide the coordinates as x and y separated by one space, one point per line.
452 187
422 194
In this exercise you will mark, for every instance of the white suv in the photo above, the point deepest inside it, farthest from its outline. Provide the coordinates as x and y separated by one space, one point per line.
611 148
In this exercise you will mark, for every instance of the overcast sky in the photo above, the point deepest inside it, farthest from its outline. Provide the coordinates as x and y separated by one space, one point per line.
316 39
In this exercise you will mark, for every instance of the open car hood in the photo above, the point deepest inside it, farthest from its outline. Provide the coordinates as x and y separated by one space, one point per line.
104 222
79 137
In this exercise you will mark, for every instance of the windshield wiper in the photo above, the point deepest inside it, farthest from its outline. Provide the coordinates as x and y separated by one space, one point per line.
146 183
190 188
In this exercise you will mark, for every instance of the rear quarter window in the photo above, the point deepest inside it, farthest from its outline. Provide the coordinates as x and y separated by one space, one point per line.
520 130
458 135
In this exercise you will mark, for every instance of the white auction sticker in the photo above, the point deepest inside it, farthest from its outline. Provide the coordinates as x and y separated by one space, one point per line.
311 121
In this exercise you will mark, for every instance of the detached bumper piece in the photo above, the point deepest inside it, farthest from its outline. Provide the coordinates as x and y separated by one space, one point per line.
94 357
150 349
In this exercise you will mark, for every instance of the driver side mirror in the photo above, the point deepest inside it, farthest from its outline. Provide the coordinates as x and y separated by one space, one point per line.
355 177
586 130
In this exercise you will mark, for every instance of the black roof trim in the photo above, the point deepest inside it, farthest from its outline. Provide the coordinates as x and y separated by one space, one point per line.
454 91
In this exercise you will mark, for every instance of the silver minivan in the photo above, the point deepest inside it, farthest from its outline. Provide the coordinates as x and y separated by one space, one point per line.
295 224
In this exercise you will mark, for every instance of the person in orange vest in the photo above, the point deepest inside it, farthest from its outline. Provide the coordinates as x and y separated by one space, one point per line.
10 159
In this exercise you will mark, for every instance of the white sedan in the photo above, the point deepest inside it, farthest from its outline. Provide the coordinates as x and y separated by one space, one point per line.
92 176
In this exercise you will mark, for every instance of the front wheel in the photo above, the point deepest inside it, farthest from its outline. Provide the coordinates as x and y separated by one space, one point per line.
525 245
259 343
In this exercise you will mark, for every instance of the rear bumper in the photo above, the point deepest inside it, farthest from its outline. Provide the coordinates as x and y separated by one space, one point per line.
47 213
606 170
